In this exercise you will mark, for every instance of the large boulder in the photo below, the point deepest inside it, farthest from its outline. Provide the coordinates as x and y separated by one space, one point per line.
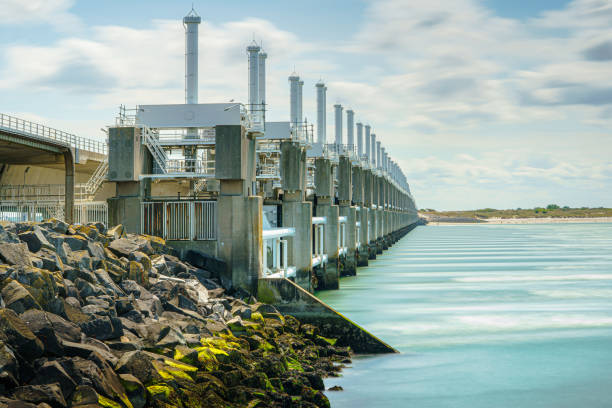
125 246
140 365
17 298
55 225
6 235
138 273
15 254
136 392
35 240
52 372
103 328
50 394
9 368
76 242
15 332
96 250
142 259
43 285
51 329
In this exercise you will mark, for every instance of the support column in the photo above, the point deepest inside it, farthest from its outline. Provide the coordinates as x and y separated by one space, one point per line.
362 216
345 196
127 160
239 239
69 186
377 212
328 275
368 201
297 213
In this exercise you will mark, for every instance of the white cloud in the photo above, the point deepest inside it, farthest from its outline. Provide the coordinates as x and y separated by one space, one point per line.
468 102
54 12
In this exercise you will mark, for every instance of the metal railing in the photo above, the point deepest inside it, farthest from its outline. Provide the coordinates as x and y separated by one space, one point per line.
319 256
275 252
195 166
97 178
254 118
94 211
342 241
180 220
181 137
151 140
51 192
268 171
22 211
302 132
42 132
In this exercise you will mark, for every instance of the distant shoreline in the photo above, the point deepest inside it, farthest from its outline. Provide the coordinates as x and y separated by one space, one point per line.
539 220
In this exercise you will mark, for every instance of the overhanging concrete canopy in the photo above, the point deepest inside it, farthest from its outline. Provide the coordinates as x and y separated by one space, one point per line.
16 148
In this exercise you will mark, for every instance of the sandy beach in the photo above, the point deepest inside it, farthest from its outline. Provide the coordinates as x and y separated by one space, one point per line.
547 220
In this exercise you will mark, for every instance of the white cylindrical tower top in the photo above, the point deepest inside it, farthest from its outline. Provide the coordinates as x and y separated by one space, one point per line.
191 22
350 129
373 158
359 139
262 79
383 158
300 102
368 143
293 98
338 119
321 113
253 51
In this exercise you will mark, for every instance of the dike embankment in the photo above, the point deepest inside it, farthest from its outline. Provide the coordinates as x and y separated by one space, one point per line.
90 317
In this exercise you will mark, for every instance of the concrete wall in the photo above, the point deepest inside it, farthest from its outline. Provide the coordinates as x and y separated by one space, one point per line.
291 299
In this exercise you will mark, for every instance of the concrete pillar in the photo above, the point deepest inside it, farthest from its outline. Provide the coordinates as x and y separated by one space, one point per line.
345 195
370 223
239 239
69 186
328 276
361 217
296 212
127 160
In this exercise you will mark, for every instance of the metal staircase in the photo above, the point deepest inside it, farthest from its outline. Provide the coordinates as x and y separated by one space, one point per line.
151 140
97 178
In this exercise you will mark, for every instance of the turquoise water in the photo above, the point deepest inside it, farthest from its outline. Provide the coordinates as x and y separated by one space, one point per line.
484 316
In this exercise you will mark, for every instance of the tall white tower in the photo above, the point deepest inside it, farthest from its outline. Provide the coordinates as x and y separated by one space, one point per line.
300 112
350 129
294 80
321 113
373 150
191 22
368 143
359 139
254 100
262 79
338 119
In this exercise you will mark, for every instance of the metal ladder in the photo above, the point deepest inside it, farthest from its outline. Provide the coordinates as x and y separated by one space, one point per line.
97 178
151 140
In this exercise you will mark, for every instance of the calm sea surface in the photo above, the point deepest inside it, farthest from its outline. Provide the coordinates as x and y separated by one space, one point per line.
484 316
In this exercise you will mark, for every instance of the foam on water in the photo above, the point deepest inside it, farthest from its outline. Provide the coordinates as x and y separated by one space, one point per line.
485 315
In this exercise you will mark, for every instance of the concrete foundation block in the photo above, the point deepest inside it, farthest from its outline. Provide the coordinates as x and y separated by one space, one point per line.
298 215
363 255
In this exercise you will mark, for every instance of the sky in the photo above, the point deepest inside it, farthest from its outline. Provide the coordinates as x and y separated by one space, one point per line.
483 103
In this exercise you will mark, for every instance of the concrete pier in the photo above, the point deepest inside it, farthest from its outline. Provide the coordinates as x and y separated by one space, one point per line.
328 274
296 212
345 196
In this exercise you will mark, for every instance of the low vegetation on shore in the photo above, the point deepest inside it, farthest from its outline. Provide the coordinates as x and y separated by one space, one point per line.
550 211
90 318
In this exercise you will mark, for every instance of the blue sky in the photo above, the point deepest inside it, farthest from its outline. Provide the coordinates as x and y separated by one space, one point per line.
484 103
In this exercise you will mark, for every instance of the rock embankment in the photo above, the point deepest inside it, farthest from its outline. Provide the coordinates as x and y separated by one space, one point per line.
90 317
